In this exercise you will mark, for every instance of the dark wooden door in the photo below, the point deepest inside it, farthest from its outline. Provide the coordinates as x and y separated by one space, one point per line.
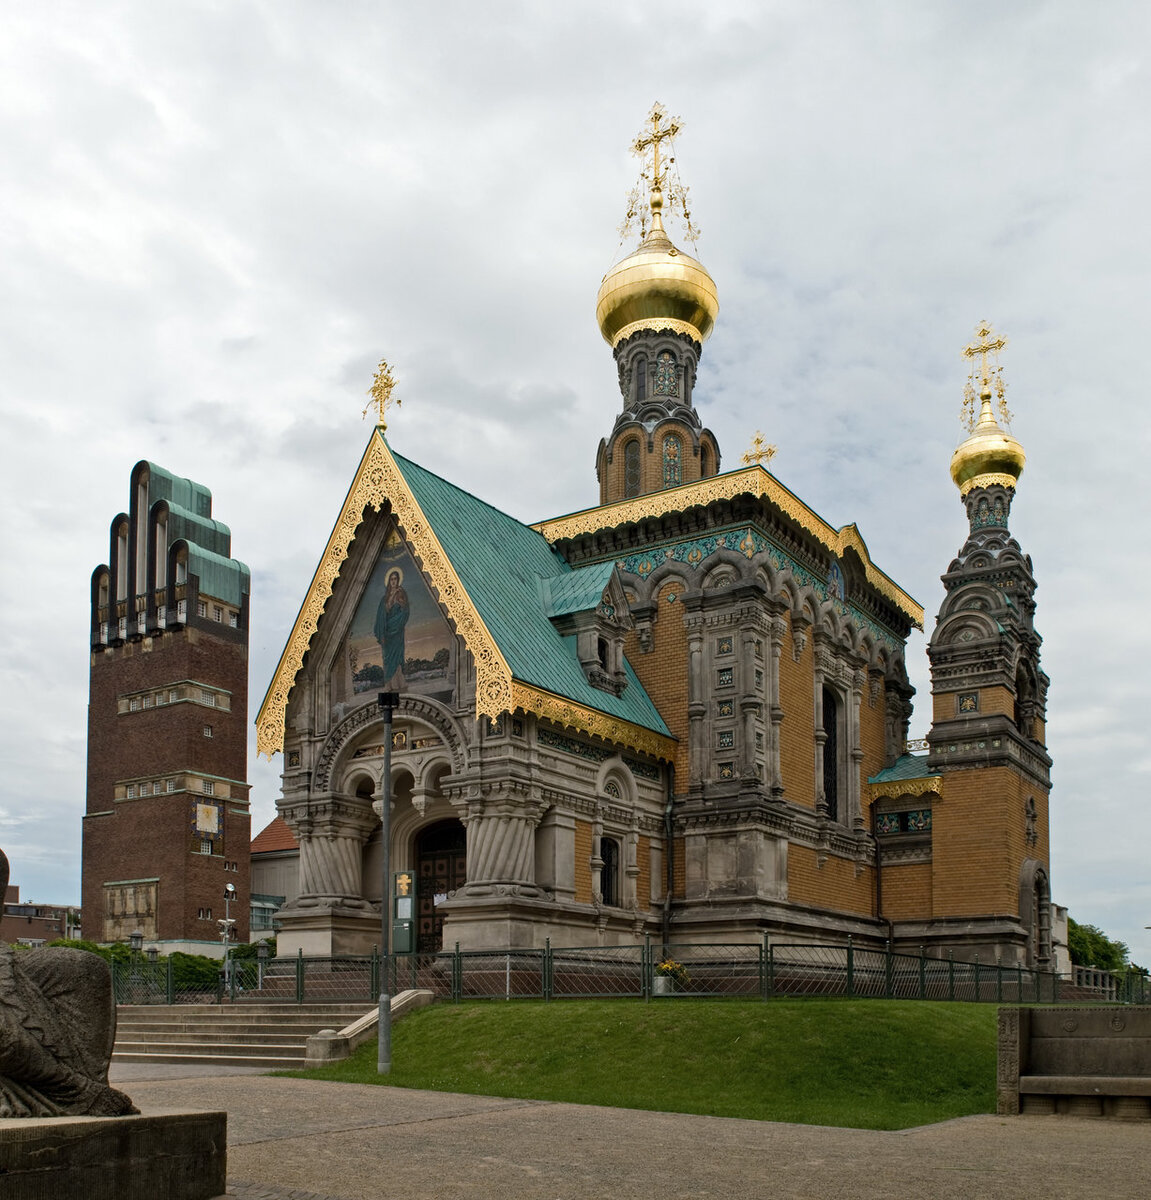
441 867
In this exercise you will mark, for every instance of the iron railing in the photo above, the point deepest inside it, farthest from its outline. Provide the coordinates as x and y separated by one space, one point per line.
757 969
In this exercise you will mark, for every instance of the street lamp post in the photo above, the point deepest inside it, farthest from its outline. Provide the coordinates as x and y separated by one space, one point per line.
226 934
388 702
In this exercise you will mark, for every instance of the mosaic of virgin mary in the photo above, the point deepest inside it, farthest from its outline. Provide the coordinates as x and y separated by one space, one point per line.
391 621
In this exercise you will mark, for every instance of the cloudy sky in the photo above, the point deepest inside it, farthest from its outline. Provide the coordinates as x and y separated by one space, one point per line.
216 217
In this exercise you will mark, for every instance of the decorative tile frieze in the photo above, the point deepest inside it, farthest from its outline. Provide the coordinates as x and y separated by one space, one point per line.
725 708
723 645
725 677
725 739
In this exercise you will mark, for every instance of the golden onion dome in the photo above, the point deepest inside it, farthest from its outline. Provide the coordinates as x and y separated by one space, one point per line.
989 456
656 287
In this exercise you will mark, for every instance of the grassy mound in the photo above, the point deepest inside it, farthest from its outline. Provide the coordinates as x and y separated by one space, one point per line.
875 1064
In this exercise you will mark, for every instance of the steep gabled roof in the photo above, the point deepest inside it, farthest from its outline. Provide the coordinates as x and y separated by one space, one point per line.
489 571
276 836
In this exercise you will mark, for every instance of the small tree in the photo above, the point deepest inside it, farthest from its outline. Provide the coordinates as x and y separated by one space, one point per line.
1089 946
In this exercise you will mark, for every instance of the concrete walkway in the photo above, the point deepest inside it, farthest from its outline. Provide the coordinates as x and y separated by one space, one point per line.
294 1139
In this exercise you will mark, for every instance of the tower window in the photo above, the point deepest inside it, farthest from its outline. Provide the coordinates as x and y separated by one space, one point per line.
631 468
207 731
672 462
217 613
641 378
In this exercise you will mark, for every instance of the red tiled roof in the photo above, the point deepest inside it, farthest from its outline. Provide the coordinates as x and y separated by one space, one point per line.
276 836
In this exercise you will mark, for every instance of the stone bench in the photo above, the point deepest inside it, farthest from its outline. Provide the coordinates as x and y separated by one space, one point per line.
1081 1061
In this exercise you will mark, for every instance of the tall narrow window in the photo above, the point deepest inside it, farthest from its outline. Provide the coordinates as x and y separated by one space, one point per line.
641 378
609 872
672 462
831 753
631 468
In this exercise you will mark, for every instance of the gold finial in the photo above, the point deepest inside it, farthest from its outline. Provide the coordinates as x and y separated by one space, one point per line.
381 393
657 174
986 348
759 451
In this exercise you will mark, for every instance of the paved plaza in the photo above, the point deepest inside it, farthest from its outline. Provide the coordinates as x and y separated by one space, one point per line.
295 1139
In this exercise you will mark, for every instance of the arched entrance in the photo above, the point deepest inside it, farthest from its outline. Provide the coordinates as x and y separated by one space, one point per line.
441 867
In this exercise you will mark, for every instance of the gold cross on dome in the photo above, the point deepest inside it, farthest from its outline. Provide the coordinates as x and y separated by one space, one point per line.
651 140
759 451
987 342
381 393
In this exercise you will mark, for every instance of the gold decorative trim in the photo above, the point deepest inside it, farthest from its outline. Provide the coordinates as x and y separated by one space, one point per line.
379 480
894 788
989 480
750 480
562 711
658 325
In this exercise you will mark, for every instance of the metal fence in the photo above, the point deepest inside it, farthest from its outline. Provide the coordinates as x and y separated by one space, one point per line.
759 969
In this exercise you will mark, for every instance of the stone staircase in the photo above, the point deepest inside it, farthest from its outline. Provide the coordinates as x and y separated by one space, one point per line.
272 1036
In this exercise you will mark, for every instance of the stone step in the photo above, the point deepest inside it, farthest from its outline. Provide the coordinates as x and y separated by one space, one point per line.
237 1057
217 1037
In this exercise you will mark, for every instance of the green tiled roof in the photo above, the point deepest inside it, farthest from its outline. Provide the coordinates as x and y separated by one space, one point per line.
507 569
578 591
204 531
907 766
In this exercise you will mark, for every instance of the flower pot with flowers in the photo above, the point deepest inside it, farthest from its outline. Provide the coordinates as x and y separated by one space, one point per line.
669 976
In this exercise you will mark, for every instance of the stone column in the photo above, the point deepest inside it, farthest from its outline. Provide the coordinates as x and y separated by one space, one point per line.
331 849
775 709
501 842
696 701
855 753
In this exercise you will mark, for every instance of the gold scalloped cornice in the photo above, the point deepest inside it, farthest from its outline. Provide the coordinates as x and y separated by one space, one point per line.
894 788
656 325
753 481
378 481
562 711
989 480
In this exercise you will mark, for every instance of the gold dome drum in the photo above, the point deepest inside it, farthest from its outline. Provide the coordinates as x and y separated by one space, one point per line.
657 287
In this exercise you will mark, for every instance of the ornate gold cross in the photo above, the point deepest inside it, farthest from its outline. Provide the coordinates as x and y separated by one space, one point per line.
759 451
988 342
381 392
646 140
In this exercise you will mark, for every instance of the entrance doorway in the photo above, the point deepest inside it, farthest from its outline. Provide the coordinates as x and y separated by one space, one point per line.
441 867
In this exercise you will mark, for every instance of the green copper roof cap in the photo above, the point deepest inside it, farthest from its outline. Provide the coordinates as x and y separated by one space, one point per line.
907 766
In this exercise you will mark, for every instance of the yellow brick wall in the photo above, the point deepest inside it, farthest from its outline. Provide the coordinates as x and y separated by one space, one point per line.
992 701
797 731
979 841
643 880
663 671
907 892
582 842
834 885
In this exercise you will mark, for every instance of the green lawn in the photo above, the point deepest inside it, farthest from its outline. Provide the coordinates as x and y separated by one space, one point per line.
874 1064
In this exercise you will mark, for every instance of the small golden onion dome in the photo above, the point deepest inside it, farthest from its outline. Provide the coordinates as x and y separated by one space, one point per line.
990 455
656 287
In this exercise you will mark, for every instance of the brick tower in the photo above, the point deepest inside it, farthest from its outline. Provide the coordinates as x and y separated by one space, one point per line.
167 823
989 694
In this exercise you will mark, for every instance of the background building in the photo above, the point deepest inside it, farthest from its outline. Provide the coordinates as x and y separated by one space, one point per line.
167 822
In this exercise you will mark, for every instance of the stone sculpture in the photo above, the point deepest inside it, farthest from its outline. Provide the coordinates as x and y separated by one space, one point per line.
57 1026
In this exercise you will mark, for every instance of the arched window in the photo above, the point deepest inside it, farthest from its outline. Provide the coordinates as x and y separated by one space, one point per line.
609 872
831 753
666 374
641 378
631 468
672 461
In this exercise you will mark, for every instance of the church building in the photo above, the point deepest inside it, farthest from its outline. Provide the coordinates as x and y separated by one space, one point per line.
681 713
